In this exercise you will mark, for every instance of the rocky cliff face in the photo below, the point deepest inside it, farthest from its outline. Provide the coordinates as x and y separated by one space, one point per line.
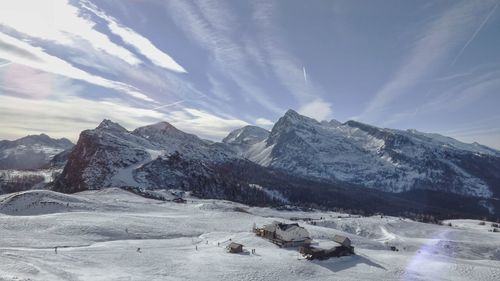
301 160
111 156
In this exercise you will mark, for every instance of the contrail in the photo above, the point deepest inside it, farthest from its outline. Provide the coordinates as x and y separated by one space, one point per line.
169 104
475 33
305 74
178 102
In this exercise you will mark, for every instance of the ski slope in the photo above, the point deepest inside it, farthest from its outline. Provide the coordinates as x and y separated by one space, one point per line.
98 234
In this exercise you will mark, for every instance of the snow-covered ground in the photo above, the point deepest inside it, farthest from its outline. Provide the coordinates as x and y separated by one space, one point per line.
47 174
98 233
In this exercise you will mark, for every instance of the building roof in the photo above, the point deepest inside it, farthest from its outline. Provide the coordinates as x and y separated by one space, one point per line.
234 245
269 227
285 226
342 240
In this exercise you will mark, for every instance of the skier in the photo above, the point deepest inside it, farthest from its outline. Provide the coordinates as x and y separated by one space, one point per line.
138 250
55 250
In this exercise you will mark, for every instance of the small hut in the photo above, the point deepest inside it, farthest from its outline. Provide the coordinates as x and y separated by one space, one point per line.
234 248
342 240
312 253
284 235
179 200
344 249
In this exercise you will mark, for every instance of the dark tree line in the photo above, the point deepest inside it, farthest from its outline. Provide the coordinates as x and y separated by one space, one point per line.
19 183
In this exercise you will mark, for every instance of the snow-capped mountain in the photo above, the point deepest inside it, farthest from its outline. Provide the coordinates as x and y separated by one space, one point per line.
110 155
333 164
243 141
246 136
383 159
31 152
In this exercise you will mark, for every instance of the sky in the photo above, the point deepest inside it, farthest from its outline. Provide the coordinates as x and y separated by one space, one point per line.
209 67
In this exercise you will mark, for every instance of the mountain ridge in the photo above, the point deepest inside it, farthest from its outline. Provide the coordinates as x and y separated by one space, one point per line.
31 152
385 159
339 156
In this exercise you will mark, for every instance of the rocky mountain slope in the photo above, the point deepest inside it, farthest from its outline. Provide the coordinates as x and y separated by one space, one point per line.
110 155
383 159
301 161
153 157
31 152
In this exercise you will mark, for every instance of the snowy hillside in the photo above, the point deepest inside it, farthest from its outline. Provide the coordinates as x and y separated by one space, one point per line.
247 135
383 159
31 152
120 236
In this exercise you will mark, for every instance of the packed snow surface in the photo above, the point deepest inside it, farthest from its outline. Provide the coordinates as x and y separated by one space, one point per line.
115 235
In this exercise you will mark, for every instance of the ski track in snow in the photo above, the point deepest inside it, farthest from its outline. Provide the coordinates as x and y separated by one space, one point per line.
126 176
98 233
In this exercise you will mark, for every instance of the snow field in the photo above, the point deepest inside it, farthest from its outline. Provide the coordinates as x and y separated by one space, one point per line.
98 238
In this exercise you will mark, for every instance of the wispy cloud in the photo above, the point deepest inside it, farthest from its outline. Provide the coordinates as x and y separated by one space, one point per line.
21 115
462 94
318 109
484 134
168 105
58 115
213 27
483 23
433 46
20 52
204 124
64 38
287 67
60 22
251 64
137 41
264 122
77 42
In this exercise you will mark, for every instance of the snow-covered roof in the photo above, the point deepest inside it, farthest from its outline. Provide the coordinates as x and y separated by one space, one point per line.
286 227
342 240
234 245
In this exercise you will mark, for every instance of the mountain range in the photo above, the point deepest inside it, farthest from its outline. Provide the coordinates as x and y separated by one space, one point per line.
300 161
33 152
382 159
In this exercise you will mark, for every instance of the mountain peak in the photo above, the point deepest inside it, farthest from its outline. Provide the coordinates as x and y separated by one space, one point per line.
162 128
246 135
295 116
108 124
164 133
163 125
43 139
291 113
332 123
